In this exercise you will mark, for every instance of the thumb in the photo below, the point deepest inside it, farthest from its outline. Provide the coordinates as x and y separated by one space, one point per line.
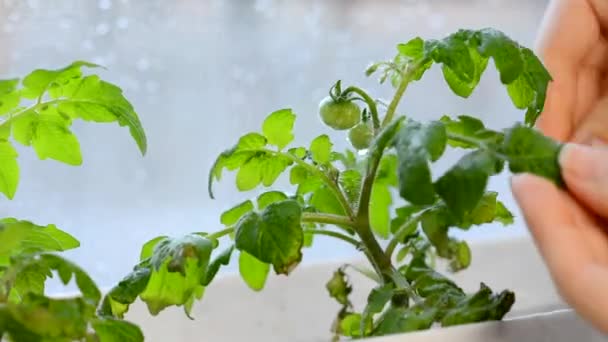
585 172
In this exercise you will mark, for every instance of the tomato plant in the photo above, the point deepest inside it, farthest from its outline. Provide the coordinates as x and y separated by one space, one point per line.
343 195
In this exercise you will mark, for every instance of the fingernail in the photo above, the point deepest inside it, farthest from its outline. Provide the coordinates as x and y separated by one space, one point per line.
583 162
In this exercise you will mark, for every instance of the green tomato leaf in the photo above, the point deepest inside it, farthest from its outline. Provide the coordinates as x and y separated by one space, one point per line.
231 216
454 53
110 329
221 259
38 318
480 307
505 52
253 271
462 186
503 215
387 170
5 132
339 287
376 302
264 169
31 279
429 283
461 255
489 209
178 267
252 141
41 264
403 215
148 248
9 169
528 150
521 92
270 197
298 152
10 96
379 209
118 299
469 132
307 181
401 320
273 236
320 149
462 87
22 237
538 79
23 127
255 164
278 128
53 139
350 324
298 175
416 145
324 200
435 224
92 99
413 49
40 80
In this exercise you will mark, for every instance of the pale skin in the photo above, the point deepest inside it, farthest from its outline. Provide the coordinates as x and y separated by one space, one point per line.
570 227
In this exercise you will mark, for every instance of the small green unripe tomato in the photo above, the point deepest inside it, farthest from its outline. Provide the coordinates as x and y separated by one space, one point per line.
339 115
361 136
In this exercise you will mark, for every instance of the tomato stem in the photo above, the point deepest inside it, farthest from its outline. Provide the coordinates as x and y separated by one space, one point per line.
400 234
337 235
220 233
371 103
323 218
406 78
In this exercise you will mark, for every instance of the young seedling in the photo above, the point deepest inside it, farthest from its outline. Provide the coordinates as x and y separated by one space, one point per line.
343 195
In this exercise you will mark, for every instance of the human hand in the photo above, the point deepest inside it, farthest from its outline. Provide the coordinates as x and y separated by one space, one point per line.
571 229
574 47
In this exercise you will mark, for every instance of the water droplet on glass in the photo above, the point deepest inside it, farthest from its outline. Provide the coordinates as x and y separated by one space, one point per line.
102 29
104 4
142 64
122 23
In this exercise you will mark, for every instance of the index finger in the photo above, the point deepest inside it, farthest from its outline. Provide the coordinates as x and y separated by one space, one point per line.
565 37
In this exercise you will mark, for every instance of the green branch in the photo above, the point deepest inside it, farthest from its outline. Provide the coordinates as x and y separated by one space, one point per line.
406 78
37 105
337 235
323 218
328 181
370 103
220 233
402 233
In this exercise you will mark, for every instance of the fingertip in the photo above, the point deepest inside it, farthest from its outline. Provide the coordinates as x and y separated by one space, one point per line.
525 183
